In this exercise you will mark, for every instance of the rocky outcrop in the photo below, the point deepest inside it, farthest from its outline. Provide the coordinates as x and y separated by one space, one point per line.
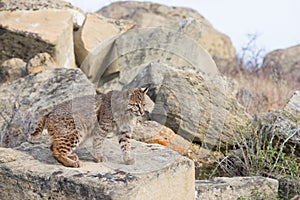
288 121
117 61
284 123
192 95
39 31
237 188
193 105
293 105
193 102
96 29
23 101
146 14
34 5
12 69
159 173
153 132
284 64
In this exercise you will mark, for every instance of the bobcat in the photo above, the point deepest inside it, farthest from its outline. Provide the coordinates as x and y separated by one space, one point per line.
71 122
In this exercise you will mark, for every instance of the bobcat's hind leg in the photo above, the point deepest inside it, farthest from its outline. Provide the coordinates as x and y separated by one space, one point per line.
73 157
124 141
65 159
62 154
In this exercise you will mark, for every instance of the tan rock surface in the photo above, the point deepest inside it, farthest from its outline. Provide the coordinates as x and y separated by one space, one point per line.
133 50
27 33
198 107
153 132
146 14
237 188
159 173
34 5
284 64
95 30
293 105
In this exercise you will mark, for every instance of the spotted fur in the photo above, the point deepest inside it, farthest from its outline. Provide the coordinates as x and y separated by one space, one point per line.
71 122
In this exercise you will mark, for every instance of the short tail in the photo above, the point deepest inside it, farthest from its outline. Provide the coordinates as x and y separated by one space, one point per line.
40 126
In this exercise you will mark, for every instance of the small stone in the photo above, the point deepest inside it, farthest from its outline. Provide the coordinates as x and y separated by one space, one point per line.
7 155
41 62
12 69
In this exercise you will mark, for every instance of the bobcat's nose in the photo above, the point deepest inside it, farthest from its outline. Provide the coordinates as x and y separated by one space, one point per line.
142 112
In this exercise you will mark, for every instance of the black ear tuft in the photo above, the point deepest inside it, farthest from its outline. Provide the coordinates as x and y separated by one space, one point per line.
145 88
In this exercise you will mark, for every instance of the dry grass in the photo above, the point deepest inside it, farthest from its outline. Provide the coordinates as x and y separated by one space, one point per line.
258 90
259 93
262 150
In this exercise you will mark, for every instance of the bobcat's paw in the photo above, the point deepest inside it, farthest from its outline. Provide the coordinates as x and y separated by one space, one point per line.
77 164
129 161
99 159
73 157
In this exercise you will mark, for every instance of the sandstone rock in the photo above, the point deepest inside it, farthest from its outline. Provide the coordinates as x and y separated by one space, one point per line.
284 64
12 69
291 119
293 105
40 62
194 105
146 14
153 132
7 155
237 188
39 31
159 173
95 30
33 5
136 48
23 101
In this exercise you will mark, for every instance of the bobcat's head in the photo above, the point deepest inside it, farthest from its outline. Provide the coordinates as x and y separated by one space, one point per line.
136 100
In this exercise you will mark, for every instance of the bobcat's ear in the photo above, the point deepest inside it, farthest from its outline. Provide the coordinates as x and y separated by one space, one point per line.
145 88
129 93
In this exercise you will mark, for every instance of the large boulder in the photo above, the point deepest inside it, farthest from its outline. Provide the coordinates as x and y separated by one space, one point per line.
194 105
23 101
155 133
30 172
95 30
293 105
283 124
34 5
237 188
115 62
284 64
146 14
38 31
194 77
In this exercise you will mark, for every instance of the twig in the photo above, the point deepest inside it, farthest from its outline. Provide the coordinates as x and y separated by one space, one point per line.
282 146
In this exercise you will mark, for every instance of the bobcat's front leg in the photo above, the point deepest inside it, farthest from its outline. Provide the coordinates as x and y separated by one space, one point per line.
124 141
98 140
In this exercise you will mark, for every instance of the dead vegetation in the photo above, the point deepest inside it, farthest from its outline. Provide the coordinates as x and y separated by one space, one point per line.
258 90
